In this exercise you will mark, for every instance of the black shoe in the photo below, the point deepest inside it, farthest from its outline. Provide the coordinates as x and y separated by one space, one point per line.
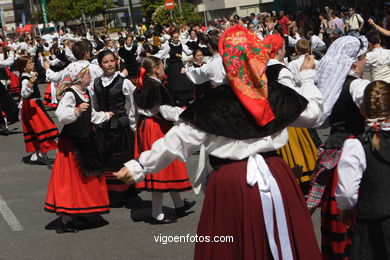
68 228
181 212
41 161
166 220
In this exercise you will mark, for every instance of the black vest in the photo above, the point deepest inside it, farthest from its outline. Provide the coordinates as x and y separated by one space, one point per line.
81 128
345 116
374 193
193 45
36 93
175 50
111 98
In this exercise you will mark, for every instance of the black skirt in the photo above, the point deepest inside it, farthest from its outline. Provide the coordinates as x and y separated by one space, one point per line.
116 146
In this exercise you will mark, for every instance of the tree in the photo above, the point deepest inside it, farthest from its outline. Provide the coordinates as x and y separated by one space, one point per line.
67 10
150 6
162 15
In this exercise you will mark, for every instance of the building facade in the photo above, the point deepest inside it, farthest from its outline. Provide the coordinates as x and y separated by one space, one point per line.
226 8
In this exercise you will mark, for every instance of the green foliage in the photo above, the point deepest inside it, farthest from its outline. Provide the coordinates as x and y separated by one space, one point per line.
66 10
162 16
150 6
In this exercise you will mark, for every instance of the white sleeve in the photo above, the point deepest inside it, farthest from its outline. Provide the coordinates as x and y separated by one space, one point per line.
186 50
99 117
170 113
198 75
27 89
313 112
356 89
292 42
55 62
286 77
180 142
56 77
128 90
350 170
65 111
9 61
161 54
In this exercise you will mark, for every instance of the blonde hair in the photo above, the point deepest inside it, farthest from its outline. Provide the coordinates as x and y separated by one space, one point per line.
376 106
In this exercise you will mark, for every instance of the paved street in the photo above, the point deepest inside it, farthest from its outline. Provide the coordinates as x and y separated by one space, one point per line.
126 236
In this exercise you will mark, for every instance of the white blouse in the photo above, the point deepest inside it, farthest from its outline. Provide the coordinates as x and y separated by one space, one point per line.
67 106
350 170
27 87
212 70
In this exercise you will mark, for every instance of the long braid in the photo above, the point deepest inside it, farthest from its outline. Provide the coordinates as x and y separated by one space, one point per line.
376 104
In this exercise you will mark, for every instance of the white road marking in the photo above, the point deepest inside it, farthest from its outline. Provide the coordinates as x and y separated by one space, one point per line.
9 216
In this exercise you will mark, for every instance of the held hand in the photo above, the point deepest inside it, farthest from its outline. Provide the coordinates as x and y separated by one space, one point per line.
308 63
125 72
124 175
111 114
82 108
371 22
179 55
183 71
33 77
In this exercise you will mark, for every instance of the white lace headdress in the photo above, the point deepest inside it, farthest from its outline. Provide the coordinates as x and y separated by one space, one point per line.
333 69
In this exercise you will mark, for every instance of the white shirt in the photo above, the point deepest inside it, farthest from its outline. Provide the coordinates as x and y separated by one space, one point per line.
27 87
127 90
213 71
183 139
316 41
353 22
66 109
350 170
378 63
295 65
303 84
9 61
356 89
69 54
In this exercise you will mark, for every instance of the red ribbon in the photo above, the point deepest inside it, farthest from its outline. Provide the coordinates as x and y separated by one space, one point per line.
141 76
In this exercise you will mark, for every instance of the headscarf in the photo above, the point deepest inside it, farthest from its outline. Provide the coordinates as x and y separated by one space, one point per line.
75 71
275 41
334 67
245 59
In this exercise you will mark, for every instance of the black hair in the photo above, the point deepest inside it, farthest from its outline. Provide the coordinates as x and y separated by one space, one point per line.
213 42
103 54
373 37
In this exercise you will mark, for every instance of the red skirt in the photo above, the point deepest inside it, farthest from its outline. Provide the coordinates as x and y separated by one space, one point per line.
336 237
175 176
39 130
47 100
69 191
232 208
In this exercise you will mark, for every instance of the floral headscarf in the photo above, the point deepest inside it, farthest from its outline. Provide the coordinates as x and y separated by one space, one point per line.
245 59
75 71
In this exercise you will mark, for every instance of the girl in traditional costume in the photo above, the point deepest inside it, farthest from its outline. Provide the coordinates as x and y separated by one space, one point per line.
77 186
157 113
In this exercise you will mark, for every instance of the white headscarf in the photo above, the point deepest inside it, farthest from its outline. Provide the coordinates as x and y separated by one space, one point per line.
75 71
334 67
